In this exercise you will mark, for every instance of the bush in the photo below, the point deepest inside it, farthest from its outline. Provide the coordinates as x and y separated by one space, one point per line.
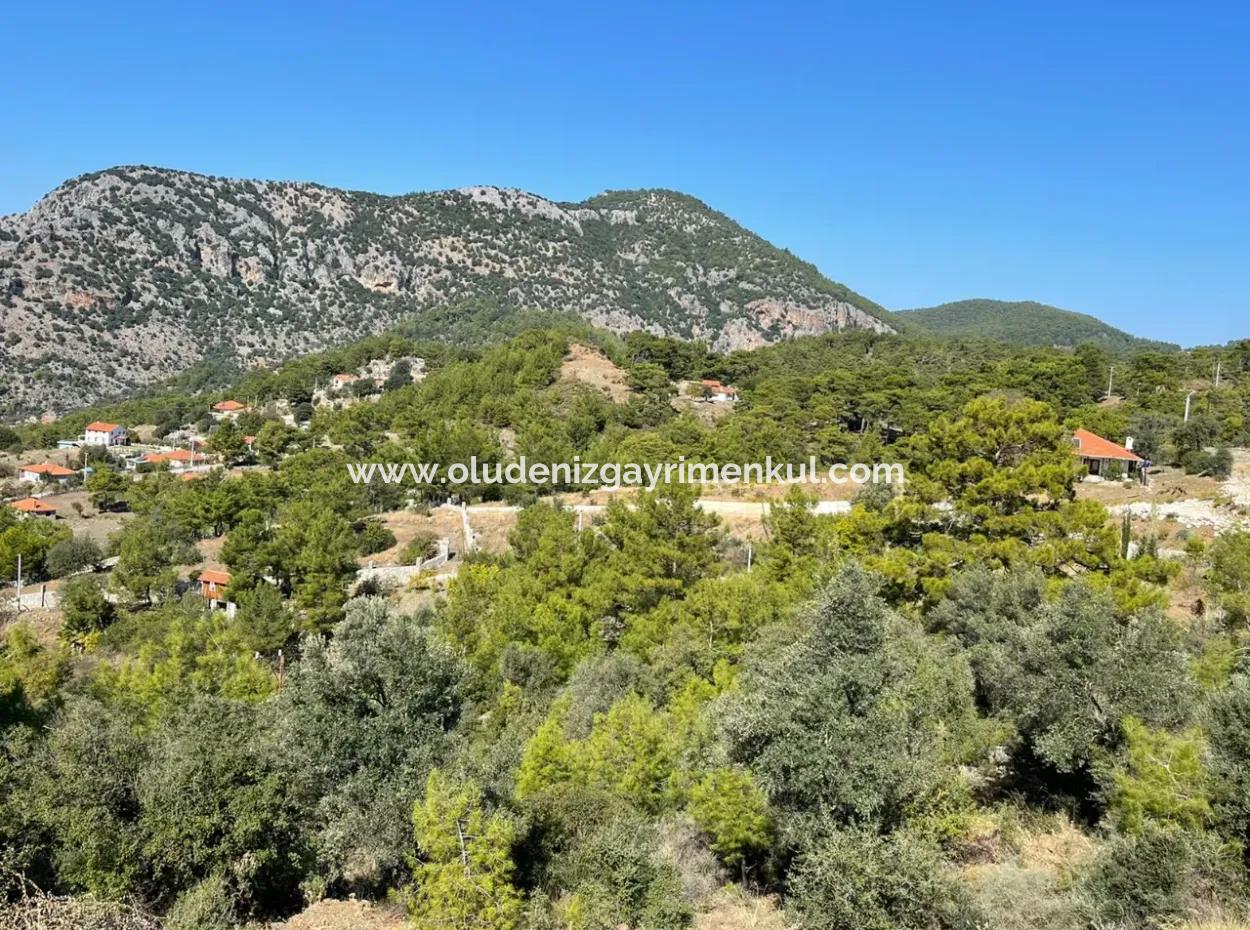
374 537
1217 464
72 555
616 876
1142 880
853 880
86 609
207 906
418 549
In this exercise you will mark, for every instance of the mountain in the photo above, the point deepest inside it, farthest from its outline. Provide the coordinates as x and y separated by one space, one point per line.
126 276
1025 322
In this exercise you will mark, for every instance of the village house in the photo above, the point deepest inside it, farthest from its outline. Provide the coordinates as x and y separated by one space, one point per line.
1102 456
228 409
45 471
177 459
341 381
716 391
213 584
99 433
34 507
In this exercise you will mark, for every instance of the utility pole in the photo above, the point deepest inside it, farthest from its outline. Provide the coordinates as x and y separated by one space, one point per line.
19 583
1188 397
1217 374
1110 381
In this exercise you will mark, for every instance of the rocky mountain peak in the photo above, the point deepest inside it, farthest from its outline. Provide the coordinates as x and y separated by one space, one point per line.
126 276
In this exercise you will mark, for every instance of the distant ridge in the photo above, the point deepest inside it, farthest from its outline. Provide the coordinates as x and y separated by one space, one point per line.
128 276
1026 322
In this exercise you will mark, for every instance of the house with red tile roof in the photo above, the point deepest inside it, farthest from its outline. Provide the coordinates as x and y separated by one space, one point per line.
213 584
715 390
1098 453
34 507
100 433
177 459
45 471
228 409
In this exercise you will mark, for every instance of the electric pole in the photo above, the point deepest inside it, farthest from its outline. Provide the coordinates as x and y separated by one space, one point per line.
1188 398
1110 381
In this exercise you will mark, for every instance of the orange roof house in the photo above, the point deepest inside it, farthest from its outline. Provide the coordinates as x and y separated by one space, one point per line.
213 584
342 380
1096 452
184 456
45 471
717 389
228 406
101 433
34 506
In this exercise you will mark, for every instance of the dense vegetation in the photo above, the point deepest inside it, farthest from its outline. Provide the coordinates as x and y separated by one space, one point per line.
869 717
1024 322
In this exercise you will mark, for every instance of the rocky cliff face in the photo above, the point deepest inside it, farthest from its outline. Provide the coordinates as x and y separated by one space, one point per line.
127 276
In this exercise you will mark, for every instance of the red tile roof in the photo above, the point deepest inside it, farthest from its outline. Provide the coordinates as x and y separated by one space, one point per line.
1092 446
213 576
228 406
176 455
99 426
51 469
33 505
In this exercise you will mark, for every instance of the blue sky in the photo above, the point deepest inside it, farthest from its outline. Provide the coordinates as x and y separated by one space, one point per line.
1093 156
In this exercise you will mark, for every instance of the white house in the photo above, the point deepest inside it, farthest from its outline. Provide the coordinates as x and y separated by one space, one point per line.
713 390
45 471
104 434
99 433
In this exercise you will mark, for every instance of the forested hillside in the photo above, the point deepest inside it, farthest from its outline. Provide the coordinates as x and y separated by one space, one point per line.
144 272
973 701
1027 323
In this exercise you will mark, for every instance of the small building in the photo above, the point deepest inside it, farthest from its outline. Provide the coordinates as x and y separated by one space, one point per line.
45 471
104 434
228 409
34 507
1099 454
716 391
340 381
213 584
177 459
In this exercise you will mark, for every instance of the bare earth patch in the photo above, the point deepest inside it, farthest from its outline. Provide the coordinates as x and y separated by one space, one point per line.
738 910
346 915
407 524
587 365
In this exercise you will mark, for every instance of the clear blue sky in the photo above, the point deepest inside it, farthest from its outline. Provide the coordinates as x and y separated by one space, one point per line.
1093 156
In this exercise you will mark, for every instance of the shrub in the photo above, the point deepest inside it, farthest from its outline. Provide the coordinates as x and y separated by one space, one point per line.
858 880
71 555
1160 873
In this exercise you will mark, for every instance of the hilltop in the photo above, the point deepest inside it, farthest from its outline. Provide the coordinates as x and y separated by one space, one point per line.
128 276
1025 322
